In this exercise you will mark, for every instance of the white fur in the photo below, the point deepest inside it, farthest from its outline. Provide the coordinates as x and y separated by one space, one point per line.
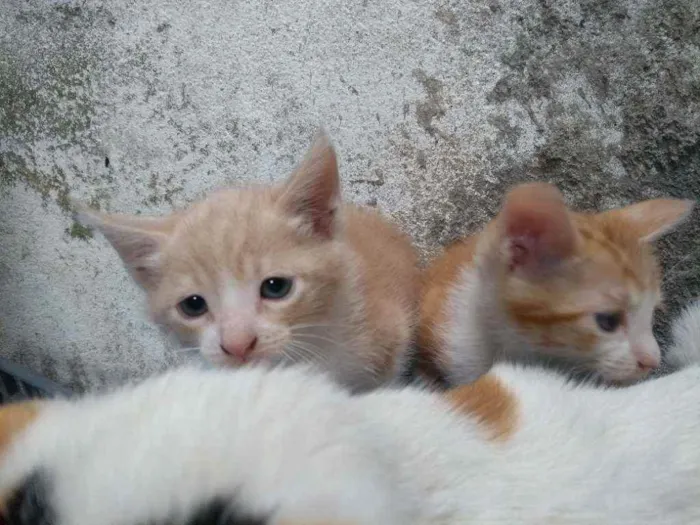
685 331
290 443
470 345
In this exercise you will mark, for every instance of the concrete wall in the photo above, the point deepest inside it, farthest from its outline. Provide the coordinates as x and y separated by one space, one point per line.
435 107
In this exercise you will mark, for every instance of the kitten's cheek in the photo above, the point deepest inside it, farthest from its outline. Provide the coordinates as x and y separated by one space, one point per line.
187 336
623 371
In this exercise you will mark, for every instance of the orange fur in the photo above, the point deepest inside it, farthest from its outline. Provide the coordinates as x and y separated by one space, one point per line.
567 267
391 282
14 418
491 403
355 274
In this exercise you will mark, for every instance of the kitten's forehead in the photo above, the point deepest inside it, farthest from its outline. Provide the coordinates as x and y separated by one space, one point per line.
610 271
614 257
243 210
234 231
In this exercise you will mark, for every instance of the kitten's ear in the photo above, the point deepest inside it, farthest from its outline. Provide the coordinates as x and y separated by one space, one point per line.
538 227
653 218
312 192
138 240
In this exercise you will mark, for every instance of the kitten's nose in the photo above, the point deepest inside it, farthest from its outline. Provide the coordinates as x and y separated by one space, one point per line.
647 361
240 348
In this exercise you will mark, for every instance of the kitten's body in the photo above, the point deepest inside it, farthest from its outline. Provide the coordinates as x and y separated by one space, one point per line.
353 303
531 285
521 445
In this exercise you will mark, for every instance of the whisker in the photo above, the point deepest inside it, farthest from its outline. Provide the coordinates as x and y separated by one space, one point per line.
319 325
294 354
669 272
312 349
187 350
320 338
305 351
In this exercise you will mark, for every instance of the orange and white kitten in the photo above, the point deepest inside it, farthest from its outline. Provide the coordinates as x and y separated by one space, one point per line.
542 282
279 274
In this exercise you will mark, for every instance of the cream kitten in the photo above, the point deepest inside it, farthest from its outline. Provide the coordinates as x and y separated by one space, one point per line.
285 273
543 282
288 447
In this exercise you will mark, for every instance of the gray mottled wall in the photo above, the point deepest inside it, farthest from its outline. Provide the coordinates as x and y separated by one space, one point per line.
435 107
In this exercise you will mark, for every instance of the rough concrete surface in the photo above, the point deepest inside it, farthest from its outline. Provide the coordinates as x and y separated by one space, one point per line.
436 107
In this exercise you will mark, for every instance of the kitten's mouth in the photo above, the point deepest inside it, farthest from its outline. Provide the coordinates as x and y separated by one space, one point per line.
628 380
238 360
235 361
228 360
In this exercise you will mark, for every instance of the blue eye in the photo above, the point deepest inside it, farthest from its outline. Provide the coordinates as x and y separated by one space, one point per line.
193 306
608 321
276 287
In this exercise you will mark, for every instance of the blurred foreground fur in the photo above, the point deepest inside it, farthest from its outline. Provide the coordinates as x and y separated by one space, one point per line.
288 446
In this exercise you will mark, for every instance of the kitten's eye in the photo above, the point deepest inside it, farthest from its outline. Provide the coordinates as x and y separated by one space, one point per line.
608 321
193 306
275 288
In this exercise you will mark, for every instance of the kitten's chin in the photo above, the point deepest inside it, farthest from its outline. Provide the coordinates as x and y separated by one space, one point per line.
223 360
226 361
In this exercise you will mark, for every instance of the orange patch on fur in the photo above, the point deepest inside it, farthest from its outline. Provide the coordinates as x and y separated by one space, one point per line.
527 315
14 418
490 402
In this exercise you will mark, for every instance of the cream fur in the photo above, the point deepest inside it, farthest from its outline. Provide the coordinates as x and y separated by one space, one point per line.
290 444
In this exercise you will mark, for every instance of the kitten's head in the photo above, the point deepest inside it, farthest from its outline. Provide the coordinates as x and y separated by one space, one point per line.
247 274
582 286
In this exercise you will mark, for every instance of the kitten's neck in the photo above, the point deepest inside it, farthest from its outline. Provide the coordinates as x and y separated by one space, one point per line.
348 336
478 332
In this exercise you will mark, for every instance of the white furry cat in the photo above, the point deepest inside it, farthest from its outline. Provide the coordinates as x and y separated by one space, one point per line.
254 446
283 273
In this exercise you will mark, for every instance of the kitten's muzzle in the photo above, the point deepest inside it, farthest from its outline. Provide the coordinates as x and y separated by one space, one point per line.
240 349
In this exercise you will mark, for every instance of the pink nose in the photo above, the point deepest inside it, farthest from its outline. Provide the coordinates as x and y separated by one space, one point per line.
240 348
647 361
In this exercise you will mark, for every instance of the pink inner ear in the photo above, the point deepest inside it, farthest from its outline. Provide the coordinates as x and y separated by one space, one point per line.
313 190
322 223
518 253
538 226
